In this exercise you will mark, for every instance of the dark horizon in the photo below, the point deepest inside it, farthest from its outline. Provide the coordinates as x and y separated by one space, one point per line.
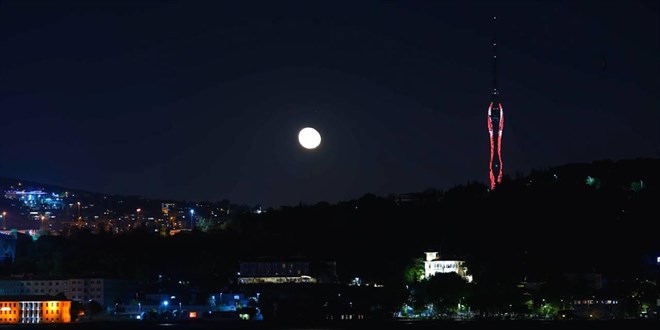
513 176
203 101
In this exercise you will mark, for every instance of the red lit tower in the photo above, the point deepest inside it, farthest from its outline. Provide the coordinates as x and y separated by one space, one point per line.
495 127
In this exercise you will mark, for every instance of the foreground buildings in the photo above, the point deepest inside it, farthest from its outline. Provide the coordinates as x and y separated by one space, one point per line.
34 309
102 290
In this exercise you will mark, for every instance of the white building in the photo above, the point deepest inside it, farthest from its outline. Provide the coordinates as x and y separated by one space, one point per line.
433 265
287 270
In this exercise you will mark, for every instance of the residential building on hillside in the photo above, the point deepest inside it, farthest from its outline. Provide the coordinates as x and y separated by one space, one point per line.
433 265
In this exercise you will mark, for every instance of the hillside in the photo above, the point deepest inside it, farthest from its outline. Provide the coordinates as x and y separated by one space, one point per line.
577 217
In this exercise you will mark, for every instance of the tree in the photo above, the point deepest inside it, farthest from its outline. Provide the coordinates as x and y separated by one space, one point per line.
92 308
207 224
414 271
76 310
446 291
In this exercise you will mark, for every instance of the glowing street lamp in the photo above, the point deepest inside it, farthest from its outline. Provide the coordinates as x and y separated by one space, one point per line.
192 215
4 220
164 303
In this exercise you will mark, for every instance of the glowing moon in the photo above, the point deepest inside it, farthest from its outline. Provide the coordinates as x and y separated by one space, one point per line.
309 138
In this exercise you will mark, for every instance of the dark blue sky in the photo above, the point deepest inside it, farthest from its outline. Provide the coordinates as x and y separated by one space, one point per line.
202 100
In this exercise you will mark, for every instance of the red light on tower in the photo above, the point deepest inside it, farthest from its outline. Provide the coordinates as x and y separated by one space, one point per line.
495 127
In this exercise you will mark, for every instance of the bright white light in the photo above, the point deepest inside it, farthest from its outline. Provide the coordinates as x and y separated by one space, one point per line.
309 138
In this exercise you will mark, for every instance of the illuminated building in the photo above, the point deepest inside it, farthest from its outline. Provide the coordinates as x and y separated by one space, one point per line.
433 265
34 309
495 127
594 308
37 199
103 291
286 271
167 207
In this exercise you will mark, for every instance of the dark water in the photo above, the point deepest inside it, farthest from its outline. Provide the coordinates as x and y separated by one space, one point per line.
403 325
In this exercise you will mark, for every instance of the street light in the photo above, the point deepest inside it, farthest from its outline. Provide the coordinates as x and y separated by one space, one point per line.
163 303
79 218
4 220
42 222
192 215
138 214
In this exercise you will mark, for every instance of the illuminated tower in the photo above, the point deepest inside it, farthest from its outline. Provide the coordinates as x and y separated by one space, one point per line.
495 126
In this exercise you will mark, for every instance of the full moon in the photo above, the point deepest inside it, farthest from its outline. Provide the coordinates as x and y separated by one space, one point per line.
309 138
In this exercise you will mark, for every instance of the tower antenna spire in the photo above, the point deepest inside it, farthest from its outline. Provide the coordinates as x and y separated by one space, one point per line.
495 55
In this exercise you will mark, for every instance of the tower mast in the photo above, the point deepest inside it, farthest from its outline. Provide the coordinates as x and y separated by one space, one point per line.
494 56
495 124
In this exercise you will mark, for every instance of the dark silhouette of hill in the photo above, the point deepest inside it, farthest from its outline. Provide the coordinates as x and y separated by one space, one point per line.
576 217
595 217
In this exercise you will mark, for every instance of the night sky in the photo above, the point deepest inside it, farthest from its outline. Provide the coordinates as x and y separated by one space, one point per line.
203 100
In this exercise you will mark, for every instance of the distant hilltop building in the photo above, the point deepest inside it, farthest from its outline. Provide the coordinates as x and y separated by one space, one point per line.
36 199
433 265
